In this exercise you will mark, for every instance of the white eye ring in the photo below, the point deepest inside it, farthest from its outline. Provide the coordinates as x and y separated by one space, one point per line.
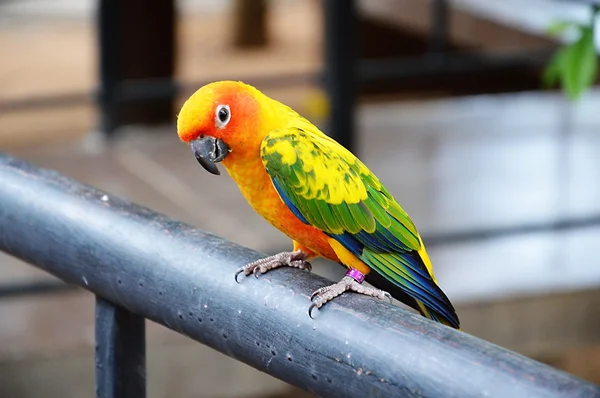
222 116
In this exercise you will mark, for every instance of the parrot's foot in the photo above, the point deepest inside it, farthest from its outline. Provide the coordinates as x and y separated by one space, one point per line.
352 282
297 259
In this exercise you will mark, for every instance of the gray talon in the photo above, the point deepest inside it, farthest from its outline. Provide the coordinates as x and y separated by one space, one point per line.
295 259
389 297
325 294
239 271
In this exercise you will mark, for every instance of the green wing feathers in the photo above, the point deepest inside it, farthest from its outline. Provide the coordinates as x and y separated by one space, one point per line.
326 186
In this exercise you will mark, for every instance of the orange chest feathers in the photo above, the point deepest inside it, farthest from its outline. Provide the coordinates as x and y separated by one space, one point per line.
256 186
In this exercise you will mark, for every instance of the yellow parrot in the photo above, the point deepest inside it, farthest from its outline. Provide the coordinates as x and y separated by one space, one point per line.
316 192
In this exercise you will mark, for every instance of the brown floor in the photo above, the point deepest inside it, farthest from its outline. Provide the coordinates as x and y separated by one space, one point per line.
49 56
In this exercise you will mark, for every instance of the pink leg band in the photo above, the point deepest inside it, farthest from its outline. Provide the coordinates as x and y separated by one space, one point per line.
356 275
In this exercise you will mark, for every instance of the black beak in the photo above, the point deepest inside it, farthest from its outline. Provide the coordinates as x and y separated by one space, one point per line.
208 151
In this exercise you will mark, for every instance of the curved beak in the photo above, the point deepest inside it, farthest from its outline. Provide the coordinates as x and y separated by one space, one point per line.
209 151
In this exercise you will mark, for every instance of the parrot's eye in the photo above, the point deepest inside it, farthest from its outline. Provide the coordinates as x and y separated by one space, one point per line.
223 115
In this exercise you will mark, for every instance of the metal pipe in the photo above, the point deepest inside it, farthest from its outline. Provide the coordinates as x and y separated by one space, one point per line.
149 89
182 277
109 46
394 69
120 352
474 235
439 29
38 287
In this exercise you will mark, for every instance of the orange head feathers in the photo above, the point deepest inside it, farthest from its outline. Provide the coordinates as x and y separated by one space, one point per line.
223 119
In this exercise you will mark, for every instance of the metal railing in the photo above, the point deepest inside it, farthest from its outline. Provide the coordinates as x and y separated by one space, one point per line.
141 264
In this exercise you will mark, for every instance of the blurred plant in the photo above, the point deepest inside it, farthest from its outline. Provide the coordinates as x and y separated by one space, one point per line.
575 66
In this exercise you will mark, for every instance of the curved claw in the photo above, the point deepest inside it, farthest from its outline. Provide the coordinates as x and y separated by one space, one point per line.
312 307
315 294
256 272
239 271
308 266
388 296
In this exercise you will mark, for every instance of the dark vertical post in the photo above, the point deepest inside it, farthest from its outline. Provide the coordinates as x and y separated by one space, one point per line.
438 33
136 40
108 24
148 54
120 352
250 23
340 54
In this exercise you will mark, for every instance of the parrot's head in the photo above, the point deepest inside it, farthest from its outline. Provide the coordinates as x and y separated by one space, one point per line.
222 122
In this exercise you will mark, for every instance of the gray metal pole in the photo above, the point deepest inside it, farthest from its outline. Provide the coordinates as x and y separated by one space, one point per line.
182 278
120 352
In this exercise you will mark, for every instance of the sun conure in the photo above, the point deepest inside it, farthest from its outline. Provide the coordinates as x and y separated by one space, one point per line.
316 192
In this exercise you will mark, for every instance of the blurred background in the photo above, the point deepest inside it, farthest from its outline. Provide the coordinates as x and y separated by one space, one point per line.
499 173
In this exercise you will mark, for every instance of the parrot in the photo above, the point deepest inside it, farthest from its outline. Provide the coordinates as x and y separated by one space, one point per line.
315 191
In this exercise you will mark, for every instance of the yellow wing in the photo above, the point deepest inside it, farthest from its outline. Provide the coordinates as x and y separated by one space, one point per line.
326 186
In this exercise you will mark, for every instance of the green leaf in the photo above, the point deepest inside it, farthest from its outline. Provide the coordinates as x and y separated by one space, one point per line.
579 65
575 65
553 72
559 27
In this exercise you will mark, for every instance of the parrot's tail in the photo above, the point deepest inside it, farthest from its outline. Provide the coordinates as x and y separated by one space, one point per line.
427 313
400 294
